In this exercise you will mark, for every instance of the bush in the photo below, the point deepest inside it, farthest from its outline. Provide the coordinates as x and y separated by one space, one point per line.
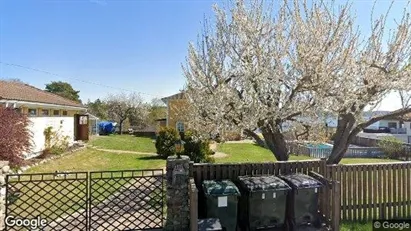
15 138
196 148
232 136
55 143
392 147
165 142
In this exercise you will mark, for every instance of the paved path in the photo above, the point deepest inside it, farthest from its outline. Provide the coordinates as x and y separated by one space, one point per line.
123 151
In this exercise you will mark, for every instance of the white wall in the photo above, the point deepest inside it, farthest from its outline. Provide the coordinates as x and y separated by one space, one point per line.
39 124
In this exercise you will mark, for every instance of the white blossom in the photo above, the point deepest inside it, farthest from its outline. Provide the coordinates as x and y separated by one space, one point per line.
256 69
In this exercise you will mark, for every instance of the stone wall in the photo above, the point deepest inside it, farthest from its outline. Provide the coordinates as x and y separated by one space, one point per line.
177 177
4 169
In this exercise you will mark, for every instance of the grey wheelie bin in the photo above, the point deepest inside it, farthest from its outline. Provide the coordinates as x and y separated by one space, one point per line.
263 202
221 202
302 202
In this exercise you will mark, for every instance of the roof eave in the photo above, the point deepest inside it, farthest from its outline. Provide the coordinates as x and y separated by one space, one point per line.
43 104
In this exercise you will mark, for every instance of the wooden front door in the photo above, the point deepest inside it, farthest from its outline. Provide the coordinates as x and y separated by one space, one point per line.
81 127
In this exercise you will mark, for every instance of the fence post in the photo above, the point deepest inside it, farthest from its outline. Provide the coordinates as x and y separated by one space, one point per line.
4 169
336 206
323 167
193 206
177 181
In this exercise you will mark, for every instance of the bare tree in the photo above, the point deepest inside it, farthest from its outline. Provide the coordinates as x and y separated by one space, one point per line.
122 106
259 69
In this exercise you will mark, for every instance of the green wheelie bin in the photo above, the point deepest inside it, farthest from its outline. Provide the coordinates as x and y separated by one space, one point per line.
302 202
221 202
263 202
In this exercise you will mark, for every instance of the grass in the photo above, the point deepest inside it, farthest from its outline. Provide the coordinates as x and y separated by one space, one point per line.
246 152
57 198
351 226
94 160
125 143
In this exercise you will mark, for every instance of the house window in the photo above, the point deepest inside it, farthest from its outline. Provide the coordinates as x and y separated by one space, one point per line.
64 113
392 124
83 120
56 112
44 112
32 112
180 126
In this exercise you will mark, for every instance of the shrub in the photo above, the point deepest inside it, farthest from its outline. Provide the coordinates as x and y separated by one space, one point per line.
392 147
15 138
165 142
232 136
196 148
55 143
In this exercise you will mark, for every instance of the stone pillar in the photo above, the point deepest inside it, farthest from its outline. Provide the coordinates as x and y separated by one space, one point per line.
4 169
178 210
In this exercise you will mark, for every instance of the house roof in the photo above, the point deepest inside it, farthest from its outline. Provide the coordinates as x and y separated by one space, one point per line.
91 116
179 95
23 92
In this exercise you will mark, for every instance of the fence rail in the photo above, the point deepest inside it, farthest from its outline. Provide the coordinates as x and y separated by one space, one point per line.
207 171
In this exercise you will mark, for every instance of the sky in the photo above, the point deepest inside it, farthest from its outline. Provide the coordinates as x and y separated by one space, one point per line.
109 46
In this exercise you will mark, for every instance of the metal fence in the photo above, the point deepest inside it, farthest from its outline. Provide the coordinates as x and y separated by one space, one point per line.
352 152
110 200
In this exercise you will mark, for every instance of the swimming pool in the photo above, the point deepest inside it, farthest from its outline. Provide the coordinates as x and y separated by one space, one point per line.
320 146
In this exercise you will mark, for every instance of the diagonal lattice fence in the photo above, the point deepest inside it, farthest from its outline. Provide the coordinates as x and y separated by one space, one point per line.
131 200
110 200
59 199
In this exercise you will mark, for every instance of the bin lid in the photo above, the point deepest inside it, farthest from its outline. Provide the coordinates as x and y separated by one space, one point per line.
262 183
220 188
300 181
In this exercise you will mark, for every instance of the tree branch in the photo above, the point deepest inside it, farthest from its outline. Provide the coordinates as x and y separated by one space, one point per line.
391 115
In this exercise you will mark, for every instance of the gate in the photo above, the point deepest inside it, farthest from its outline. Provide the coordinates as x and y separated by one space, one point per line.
107 200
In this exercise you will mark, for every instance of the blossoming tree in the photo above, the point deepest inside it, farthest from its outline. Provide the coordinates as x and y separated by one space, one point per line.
262 68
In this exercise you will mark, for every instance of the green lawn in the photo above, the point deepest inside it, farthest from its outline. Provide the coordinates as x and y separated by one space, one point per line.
249 153
346 226
245 152
94 160
58 198
124 142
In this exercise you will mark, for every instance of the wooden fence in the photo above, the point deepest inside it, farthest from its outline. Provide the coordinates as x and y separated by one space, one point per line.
373 191
368 191
329 194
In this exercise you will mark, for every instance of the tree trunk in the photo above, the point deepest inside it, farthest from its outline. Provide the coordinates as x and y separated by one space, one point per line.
121 127
257 139
342 139
275 141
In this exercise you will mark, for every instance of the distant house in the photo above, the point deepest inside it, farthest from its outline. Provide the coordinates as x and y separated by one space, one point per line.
45 110
176 105
399 127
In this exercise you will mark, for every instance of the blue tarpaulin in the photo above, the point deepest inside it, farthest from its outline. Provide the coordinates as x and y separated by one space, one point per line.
106 127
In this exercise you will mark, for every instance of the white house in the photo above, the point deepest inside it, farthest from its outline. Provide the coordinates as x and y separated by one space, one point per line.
399 127
45 110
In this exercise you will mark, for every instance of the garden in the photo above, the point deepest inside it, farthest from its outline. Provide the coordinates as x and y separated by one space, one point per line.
130 152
